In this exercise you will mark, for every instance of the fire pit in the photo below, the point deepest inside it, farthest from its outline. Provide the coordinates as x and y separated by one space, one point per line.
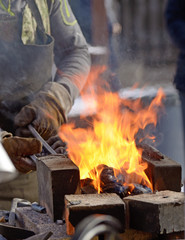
115 153
116 161
114 150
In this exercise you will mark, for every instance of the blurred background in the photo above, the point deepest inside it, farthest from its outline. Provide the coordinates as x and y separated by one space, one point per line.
146 53
145 56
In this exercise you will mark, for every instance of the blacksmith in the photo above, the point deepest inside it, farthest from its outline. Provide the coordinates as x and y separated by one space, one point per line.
44 63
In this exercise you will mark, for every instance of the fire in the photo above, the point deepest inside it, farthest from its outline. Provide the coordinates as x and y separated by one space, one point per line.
110 139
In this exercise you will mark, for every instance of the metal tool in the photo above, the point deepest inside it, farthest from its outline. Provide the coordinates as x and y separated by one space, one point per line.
105 226
33 158
12 215
44 143
38 208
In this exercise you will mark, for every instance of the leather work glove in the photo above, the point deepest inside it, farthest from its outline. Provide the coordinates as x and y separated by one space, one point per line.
47 112
58 145
19 149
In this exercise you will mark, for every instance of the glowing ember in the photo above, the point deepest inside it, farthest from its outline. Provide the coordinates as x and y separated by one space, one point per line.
111 138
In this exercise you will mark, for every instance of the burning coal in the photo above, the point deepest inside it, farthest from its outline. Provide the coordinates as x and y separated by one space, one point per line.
106 151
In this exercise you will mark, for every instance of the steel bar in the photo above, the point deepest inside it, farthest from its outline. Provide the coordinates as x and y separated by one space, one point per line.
37 135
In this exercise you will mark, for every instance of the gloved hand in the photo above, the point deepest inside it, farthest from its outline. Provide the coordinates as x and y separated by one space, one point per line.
19 148
46 112
58 145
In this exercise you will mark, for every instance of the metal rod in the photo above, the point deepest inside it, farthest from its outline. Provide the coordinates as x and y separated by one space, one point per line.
33 158
37 135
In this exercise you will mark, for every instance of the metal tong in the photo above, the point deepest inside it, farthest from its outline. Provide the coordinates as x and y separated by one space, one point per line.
44 143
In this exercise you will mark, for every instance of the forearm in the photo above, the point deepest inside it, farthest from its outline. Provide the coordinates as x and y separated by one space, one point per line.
110 11
71 52
73 70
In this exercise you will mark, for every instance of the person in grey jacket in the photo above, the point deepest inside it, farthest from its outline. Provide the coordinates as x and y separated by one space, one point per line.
175 23
113 9
113 13
35 36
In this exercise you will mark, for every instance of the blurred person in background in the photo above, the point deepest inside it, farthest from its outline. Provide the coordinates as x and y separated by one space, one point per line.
35 36
113 13
82 11
175 21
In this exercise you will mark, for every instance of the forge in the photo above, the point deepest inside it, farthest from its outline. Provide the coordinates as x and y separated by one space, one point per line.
160 167
165 176
109 171
143 215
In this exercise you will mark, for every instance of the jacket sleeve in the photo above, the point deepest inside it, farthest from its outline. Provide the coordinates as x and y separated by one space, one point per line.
111 9
175 21
70 51
5 134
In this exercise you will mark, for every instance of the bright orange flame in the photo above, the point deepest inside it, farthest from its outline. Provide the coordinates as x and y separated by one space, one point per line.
110 139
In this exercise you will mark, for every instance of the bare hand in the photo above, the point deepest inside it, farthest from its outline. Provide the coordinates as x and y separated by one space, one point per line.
116 28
